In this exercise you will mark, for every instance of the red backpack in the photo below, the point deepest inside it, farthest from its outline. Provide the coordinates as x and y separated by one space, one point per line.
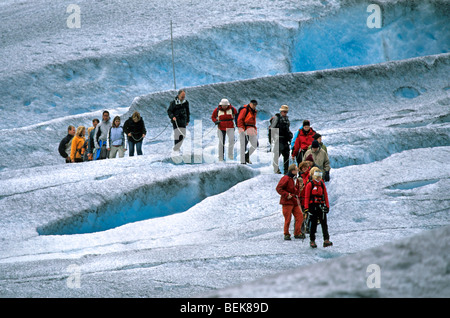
315 196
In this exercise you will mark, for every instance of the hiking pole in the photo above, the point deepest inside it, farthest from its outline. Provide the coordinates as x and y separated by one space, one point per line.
173 57
216 123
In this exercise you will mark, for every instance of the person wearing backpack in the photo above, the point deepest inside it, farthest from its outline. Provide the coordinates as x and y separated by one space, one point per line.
247 130
318 137
303 140
289 187
223 116
78 147
320 158
280 137
317 205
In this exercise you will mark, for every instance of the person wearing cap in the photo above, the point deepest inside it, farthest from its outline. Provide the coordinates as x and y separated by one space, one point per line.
320 158
223 116
317 205
280 137
303 141
318 137
247 130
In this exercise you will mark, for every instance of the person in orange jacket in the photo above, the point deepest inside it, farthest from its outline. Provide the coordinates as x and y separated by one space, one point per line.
223 116
247 130
316 203
78 145
289 187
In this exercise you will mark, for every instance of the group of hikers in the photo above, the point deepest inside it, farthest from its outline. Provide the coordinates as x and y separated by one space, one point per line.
105 139
302 188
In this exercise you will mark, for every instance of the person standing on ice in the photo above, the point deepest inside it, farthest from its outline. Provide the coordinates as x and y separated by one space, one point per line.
317 205
90 139
289 187
134 128
66 144
304 169
101 134
303 140
318 137
115 143
246 123
320 158
78 145
223 117
179 116
280 137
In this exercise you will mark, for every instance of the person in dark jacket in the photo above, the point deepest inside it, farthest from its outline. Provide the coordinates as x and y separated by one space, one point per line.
179 116
280 138
289 187
134 128
66 144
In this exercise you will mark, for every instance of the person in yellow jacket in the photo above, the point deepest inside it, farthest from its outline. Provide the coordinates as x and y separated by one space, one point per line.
78 145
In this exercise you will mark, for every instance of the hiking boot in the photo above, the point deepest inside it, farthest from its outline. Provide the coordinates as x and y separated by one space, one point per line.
301 236
287 237
327 243
247 158
313 244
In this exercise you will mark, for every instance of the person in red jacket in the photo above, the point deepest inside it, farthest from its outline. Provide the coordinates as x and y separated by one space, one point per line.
223 116
289 188
304 169
316 203
248 132
303 141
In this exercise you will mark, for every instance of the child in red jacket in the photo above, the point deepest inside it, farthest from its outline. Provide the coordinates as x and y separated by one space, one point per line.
289 188
316 203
